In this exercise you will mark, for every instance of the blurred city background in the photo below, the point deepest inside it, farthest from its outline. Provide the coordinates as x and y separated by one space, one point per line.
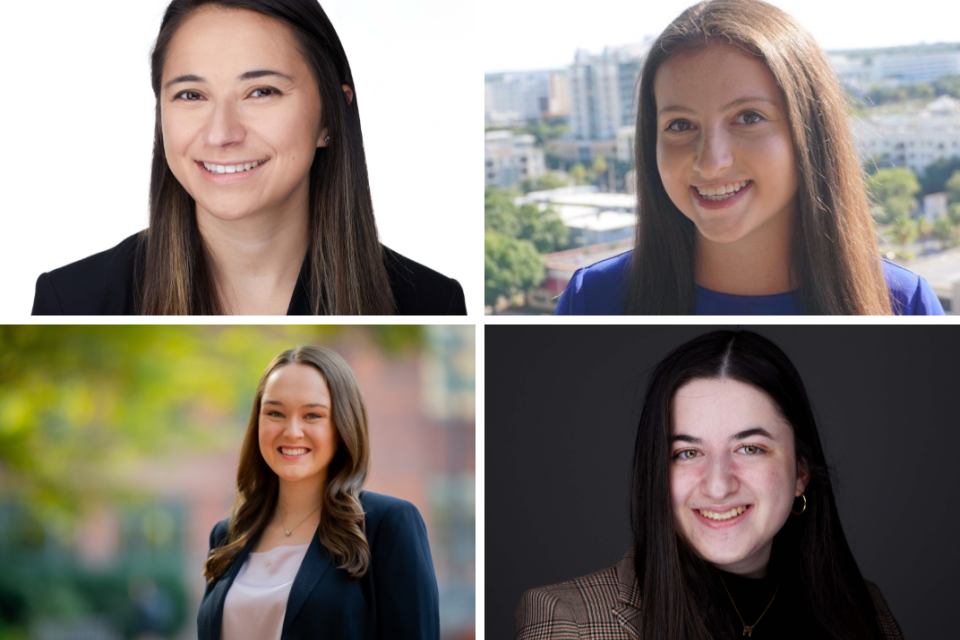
118 453
560 185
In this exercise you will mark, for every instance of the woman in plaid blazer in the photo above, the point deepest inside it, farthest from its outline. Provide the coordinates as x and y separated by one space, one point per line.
736 530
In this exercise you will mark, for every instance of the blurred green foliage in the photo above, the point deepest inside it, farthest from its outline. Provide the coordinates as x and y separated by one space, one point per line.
78 403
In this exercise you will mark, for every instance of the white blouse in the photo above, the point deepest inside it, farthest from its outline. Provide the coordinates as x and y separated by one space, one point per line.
257 599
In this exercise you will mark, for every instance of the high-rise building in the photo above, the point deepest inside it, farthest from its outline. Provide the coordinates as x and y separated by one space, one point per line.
530 95
916 139
603 91
862 69
510 159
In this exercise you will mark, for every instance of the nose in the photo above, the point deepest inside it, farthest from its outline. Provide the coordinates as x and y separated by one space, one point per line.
224 128
719 480
714 153
294 429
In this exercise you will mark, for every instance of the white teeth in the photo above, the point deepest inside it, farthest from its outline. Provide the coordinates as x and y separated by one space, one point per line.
713 515
722 192
231 168
292 452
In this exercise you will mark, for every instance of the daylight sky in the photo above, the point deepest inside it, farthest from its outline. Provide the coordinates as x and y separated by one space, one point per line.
532 34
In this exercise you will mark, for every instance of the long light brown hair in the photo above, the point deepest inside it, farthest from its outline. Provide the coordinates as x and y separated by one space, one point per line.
346 272
834 249
341 514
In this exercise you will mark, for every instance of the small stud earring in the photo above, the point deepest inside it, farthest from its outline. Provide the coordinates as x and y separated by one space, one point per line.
327 139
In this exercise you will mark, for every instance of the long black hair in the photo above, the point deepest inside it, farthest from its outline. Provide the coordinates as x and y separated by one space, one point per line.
681 592
347 274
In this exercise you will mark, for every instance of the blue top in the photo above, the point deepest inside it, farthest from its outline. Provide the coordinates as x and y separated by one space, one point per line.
598 290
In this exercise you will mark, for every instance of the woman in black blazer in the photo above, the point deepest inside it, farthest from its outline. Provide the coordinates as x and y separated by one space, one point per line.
259 197
306 552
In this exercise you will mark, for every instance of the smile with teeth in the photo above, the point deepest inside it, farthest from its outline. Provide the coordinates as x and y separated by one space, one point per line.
715 194
231 168
726 515
287 451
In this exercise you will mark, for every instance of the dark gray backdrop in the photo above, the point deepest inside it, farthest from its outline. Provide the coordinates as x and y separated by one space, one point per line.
562 404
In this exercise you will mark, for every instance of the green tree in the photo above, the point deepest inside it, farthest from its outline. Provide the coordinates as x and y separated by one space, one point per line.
543 183
935 176
895 191
904 230
511 266
953 188
578 173
544 229
944 231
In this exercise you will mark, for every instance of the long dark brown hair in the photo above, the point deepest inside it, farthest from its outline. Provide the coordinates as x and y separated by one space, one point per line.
341 514
347 273
834 251
681 592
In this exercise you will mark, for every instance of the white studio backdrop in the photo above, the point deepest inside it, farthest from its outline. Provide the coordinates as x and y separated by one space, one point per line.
77 131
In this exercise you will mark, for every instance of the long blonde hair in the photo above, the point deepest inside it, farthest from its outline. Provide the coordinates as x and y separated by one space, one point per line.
342 521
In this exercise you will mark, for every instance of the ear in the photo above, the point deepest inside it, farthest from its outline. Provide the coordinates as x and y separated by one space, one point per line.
803 478
324 139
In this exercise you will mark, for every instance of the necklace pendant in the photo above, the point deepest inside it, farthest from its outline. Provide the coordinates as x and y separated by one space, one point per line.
748 630
286 533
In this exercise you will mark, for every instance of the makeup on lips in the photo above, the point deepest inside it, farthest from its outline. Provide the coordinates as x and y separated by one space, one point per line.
229 173
723 517
292 453
722 195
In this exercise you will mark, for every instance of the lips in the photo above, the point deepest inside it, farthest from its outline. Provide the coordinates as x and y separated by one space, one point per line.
731 194
723 516
293 453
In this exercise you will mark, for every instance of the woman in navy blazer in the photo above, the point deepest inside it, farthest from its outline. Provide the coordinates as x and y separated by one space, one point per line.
366 569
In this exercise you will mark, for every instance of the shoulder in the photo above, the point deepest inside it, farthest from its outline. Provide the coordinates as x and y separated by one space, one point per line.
219 534
910 294
386 511
888 624
102 284
547 611
597 289
420 290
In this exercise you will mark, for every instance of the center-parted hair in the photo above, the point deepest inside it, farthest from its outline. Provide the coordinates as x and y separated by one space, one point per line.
346 272
682 593
834 251
341 515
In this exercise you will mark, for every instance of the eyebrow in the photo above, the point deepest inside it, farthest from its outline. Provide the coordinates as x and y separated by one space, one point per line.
306 406
679 109
741 435
249 75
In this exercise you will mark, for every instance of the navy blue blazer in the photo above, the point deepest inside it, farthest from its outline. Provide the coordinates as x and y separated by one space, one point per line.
396 598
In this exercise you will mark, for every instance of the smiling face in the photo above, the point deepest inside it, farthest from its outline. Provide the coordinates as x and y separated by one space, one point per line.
733 473
240 112
724 149
297 436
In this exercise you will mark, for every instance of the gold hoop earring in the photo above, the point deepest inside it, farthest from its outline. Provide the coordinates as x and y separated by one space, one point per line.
797 513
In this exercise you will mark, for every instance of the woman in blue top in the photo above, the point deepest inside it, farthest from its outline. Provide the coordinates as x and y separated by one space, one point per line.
750 195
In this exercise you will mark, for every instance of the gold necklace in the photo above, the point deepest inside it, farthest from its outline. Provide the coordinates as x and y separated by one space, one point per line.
287 532
747 628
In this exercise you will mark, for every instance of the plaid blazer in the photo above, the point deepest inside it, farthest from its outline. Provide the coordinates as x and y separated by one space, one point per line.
606 606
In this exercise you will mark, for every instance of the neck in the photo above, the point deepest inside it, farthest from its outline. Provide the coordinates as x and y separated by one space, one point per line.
297 500
756 265
257 259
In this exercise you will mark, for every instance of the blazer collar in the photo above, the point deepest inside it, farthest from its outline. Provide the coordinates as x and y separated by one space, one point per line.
315 564
627 611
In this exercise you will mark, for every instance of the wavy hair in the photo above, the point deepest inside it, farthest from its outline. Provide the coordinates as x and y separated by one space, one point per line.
682 593
346 272
834 249
342 523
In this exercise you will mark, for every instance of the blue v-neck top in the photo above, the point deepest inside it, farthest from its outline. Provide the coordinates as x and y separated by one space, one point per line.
598 290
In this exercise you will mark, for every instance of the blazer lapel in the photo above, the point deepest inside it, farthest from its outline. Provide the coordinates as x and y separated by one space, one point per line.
214 622
315 564
627 611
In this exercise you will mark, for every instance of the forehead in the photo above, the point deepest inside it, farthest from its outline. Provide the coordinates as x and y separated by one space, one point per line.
216 39
717 409
296 380
712 76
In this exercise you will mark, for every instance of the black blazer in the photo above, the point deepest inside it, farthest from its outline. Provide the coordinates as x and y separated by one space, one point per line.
106 284
397 598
